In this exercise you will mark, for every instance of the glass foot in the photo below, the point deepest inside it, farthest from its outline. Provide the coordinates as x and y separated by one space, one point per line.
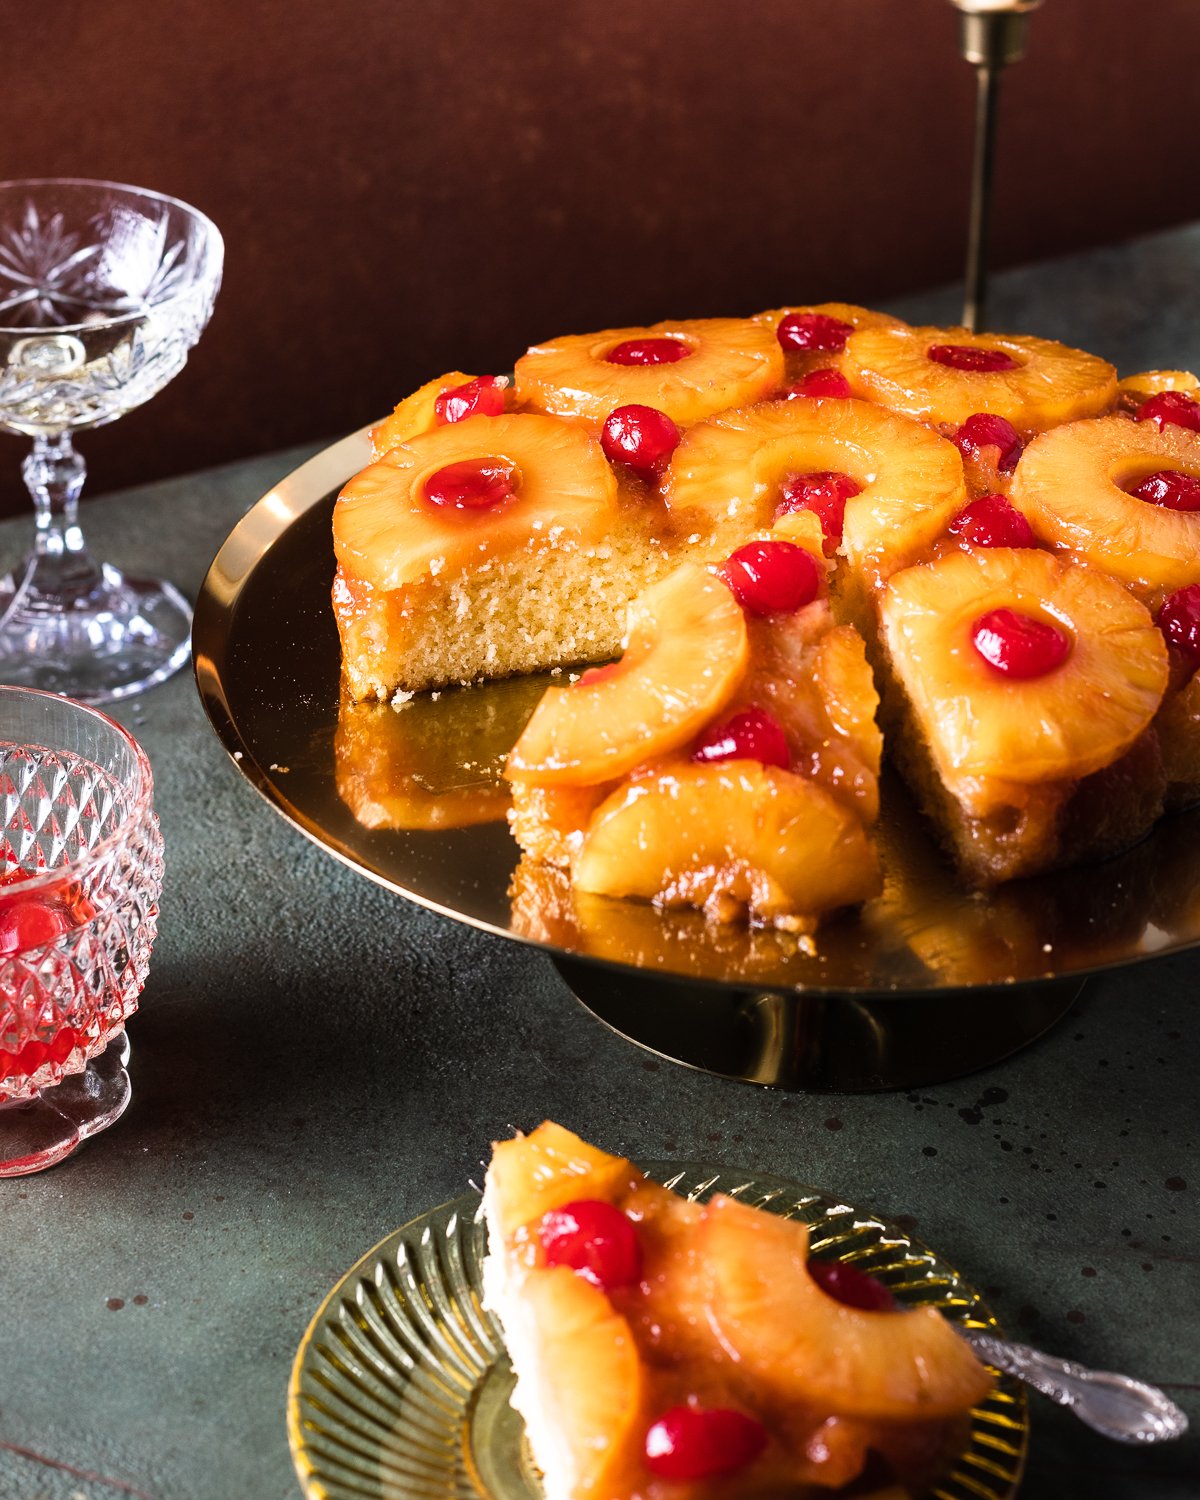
111 638
37 1133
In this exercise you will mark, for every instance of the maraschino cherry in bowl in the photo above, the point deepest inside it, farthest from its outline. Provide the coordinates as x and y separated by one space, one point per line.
81 867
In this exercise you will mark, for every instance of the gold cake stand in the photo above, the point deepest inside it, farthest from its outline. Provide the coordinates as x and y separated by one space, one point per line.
925 983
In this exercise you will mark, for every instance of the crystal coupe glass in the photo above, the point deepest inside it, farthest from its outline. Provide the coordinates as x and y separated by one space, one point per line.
81 870
103 291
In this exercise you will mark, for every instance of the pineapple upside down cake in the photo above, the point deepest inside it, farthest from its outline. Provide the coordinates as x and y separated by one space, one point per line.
802 535
671 1350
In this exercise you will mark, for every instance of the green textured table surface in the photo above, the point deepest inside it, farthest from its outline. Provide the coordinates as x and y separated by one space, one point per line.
316 1061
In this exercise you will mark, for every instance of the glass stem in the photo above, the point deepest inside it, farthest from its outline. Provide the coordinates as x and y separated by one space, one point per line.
54 474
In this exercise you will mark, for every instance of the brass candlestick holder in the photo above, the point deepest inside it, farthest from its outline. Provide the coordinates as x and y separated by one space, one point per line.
991 34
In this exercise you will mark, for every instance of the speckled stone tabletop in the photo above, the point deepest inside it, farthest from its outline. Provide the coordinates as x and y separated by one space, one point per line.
317 1061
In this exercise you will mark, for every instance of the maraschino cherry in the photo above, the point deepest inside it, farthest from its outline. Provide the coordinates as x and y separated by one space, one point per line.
751 734
847 1284
818 384
694 1442
482 397
640 437
769 578
649 351
983 430
1179 621
472 484
813 330
1170 489
1019 645
824 493
991 521
1170 407
595 1239
971 357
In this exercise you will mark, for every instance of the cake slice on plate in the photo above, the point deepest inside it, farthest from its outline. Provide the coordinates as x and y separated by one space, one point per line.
669 1350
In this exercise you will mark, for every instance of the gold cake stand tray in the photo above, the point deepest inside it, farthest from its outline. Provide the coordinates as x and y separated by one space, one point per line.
925 983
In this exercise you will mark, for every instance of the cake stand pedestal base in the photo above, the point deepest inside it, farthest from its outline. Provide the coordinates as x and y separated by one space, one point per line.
818 1043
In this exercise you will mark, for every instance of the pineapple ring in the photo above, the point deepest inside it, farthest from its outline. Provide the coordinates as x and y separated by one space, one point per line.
1072 484
727 472
725 833
1051 383
1135 389
686 652
415 414
979 725
386 533
733 361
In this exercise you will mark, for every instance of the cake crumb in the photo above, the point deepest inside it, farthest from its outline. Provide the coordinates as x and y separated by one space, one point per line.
283 770
400 698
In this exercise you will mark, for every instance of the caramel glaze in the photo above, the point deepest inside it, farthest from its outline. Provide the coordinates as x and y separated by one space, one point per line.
809 1452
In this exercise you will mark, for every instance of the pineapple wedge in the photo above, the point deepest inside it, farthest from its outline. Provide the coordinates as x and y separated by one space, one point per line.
686 651
882 1365
734 835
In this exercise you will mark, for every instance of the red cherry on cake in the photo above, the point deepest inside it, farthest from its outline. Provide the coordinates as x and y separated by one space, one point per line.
594 1239
1170 489
653 351
769 578
1179 621
1170 407
695 1442
991 521
1018 645
813 331
849 1285
825 494
752 734
472 484
483 397
640 437
986 431
971 358
820 383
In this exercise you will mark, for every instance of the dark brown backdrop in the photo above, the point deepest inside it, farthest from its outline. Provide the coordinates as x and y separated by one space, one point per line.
407 187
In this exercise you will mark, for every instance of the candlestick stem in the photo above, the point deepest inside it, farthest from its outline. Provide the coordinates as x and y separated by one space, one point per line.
991 34
987 90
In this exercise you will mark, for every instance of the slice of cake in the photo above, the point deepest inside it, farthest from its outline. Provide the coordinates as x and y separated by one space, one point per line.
1022 690
667 1348
729 760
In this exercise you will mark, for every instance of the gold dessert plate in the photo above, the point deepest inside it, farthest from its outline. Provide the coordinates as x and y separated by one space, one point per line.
413 799
400 1387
